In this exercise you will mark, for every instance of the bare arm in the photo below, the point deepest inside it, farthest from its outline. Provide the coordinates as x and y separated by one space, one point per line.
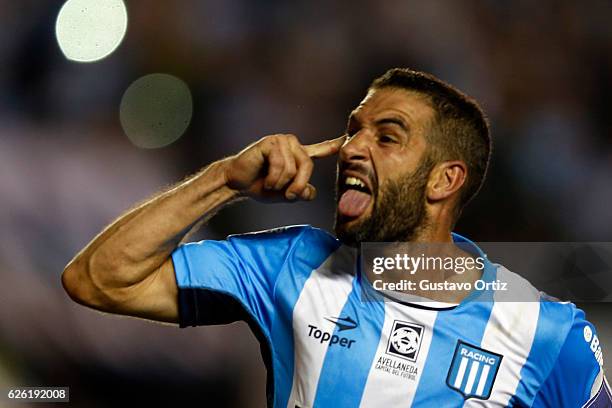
127 268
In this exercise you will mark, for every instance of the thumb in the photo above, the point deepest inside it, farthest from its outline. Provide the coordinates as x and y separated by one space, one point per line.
326 148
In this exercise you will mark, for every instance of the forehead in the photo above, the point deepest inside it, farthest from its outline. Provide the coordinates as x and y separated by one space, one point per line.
414 107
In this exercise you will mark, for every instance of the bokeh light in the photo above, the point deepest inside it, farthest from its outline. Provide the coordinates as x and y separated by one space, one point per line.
89 30
156 110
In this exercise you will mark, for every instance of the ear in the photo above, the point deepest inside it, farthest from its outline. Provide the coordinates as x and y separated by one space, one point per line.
446 179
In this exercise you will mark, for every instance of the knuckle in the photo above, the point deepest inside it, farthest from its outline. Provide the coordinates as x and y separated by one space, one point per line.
291 138
303 153
272 139
308 164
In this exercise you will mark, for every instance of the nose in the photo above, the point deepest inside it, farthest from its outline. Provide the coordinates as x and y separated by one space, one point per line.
356 147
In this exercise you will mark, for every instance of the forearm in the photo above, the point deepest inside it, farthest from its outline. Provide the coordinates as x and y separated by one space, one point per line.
127 268
140 241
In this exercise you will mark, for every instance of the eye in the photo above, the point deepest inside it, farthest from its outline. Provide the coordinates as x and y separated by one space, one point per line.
385 138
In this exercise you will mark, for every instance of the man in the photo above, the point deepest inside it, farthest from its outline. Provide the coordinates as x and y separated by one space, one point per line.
416 151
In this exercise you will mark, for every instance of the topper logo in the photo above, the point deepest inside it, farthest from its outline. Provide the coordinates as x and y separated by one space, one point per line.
327 337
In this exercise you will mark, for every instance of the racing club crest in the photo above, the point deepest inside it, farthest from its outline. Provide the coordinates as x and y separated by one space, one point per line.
473 370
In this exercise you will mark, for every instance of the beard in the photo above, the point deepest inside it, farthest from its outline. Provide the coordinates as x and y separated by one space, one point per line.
399 211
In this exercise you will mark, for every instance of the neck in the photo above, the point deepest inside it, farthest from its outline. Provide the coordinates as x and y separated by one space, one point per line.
429 232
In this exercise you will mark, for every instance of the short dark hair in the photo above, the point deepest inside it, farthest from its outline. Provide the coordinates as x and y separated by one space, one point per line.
459 131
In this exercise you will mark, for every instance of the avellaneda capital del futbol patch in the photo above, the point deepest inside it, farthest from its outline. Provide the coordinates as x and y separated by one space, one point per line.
405 340
473 370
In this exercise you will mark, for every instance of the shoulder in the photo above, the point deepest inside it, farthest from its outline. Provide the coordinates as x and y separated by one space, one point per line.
581 350
564 357
291 235
562 316
559 322
581 347
579 361
555 325
520 289
274 245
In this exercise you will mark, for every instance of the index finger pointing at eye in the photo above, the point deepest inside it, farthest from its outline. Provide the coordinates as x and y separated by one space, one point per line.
326 148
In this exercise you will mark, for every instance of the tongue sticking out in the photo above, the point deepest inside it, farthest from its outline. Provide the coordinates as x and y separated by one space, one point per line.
353 203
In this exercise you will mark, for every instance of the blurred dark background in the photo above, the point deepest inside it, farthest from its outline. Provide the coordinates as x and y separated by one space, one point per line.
541 70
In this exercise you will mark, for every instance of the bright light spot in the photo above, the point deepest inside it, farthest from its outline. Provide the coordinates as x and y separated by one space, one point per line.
155 110
89 30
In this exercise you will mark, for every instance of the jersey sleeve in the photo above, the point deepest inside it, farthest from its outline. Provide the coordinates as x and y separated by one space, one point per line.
577 379
224 281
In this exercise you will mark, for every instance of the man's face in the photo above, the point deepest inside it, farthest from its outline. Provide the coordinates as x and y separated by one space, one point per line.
383 168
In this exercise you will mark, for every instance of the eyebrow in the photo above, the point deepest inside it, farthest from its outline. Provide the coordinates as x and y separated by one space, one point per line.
393 121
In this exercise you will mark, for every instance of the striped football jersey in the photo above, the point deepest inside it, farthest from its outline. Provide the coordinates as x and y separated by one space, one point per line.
327 343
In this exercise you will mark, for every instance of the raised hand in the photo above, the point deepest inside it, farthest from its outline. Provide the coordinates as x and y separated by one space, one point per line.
278 167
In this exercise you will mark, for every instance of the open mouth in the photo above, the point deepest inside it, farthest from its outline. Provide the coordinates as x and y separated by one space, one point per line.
355 197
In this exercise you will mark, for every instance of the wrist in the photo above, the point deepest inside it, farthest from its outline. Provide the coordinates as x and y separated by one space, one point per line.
223 168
